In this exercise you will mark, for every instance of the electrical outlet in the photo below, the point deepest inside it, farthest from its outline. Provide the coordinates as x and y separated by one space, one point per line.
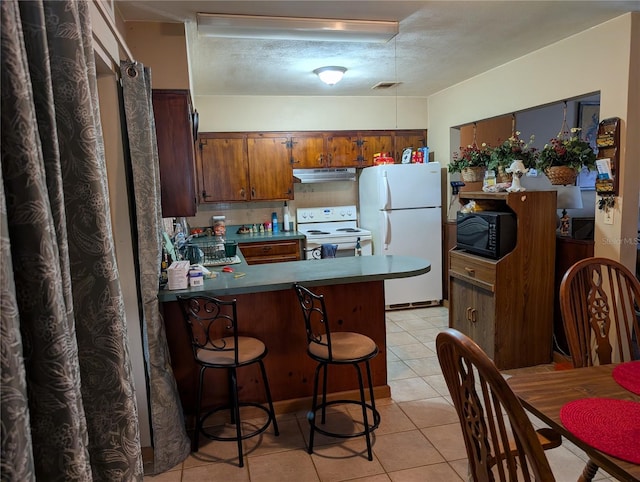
608 216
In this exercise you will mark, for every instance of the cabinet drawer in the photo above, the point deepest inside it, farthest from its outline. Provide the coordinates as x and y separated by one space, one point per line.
270 252
476 270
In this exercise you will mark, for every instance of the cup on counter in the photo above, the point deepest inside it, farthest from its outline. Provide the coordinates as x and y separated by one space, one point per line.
230 248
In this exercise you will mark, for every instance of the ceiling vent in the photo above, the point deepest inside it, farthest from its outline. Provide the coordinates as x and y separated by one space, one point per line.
386 85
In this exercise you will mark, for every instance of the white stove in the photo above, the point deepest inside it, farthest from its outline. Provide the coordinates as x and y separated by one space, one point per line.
332 225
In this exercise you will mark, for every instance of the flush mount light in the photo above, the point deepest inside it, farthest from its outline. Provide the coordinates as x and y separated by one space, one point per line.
331 74
295 28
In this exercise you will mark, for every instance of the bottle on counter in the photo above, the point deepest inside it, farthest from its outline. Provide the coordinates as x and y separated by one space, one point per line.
274 222
285 217
358 248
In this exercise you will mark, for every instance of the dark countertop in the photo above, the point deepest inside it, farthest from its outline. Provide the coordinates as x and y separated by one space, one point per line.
281 276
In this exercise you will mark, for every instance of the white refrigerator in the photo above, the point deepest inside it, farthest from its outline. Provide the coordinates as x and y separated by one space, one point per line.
401 205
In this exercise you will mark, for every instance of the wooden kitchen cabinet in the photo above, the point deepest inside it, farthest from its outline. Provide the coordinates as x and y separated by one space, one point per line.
373 142
223 168
506 305
308 151
174 118
236 167
269 165
408 138
270 251
339 149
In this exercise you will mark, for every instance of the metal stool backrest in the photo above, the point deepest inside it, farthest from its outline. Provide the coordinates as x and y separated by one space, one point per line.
210 320
501 443
316 320
599 300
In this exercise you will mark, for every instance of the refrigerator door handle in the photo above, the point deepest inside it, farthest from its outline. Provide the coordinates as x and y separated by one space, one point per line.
387 230
386 193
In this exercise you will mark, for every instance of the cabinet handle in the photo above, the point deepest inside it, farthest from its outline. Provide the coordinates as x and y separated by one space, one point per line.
474 317
468 313
266 249
242 194
470 271
321 159
253 192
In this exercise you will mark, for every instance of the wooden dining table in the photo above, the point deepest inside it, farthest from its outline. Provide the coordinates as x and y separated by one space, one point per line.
544 394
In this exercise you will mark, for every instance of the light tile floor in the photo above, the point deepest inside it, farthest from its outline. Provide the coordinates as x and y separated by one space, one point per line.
418 439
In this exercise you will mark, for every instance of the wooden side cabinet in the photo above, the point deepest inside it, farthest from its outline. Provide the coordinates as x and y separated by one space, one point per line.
270 251
506 305
174 119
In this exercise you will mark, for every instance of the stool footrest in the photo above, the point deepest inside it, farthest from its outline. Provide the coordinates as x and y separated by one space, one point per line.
372 427
247 435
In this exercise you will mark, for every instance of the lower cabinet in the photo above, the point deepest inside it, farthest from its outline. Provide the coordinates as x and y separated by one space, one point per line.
270 251
474 313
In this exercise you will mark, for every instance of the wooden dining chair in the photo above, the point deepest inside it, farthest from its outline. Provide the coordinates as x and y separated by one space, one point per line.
500 440
599 302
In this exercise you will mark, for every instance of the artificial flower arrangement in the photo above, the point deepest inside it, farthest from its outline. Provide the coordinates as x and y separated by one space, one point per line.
470 156
513 149
569 151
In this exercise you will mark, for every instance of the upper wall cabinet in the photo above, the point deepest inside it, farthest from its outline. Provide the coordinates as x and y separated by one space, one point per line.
338 149
222 168
408 139
174 119
244 167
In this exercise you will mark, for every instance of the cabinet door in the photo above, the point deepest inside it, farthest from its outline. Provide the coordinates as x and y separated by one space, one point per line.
413 139
174 131
270 252
343 150
270 172
308 152
372 144
472 311
224 169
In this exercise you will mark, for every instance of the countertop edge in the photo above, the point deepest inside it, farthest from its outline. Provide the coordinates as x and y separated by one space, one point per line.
282 276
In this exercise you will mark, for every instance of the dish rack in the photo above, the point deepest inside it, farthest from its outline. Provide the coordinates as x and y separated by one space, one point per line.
214 256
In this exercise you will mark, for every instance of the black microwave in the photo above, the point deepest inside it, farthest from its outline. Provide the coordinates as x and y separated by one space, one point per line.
486 233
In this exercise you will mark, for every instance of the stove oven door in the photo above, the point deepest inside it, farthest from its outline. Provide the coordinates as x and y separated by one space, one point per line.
346 248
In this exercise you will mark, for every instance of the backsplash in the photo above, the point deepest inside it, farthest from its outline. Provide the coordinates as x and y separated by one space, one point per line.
305 195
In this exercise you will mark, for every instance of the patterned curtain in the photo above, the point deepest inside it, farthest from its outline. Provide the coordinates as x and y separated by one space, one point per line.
170 441
68 406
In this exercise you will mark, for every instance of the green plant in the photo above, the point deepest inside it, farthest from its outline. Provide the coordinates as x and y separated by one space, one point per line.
470 156
567 151
512 149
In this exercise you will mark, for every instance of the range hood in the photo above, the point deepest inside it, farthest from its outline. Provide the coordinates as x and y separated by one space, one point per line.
325 175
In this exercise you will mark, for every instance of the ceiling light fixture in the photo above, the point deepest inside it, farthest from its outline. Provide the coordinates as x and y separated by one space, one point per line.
295 28
331 74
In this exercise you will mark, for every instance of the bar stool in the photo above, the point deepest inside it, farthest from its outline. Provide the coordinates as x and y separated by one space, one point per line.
336 348
213 328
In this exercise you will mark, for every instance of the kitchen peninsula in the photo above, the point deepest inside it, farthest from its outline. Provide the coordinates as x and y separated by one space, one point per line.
268 309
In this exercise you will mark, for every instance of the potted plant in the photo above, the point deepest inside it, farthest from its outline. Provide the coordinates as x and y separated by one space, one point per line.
511 149
471 162
564 156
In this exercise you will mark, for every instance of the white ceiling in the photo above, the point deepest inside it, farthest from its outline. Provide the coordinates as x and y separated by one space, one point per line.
440 43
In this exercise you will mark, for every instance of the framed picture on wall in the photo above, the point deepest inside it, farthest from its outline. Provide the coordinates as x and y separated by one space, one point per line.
588 121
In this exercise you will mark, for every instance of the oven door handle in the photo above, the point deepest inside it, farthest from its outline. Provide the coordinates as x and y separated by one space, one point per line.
387 230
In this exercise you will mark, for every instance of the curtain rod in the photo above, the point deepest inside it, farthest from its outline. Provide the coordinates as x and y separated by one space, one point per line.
106 16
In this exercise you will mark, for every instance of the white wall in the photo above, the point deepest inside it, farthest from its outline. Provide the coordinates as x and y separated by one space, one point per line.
560 71
264 113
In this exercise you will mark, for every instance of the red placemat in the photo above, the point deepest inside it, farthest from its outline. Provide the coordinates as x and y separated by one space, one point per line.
628 376
610 425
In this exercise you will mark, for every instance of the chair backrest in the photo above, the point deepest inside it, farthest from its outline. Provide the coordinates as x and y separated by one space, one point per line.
500 440
209 320
599 299
316 320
